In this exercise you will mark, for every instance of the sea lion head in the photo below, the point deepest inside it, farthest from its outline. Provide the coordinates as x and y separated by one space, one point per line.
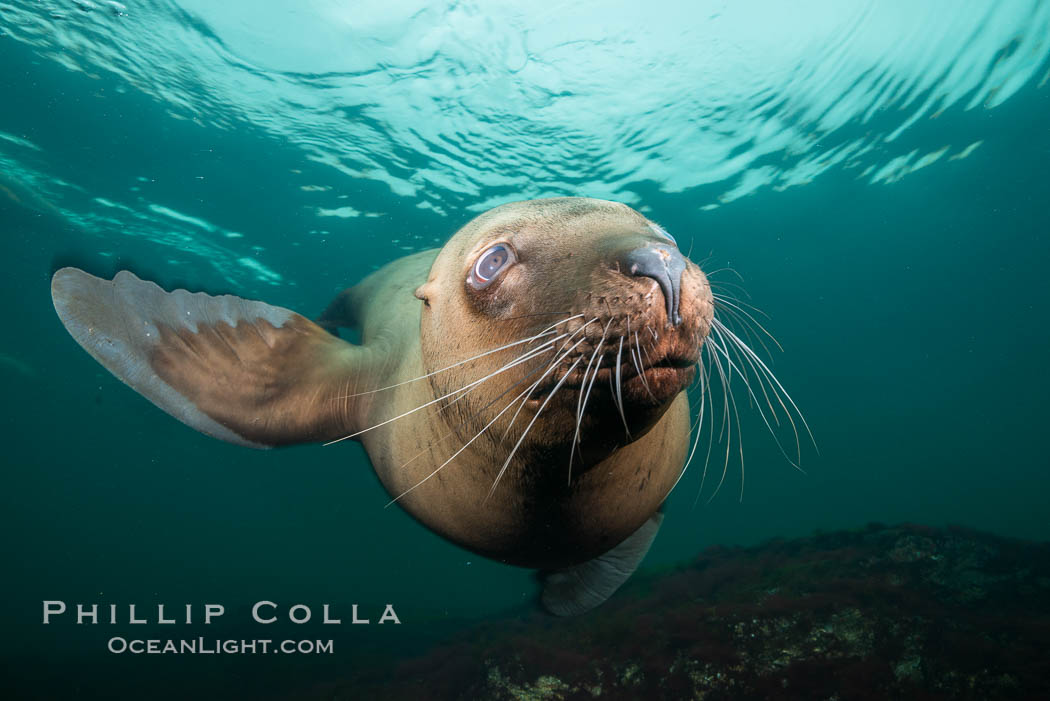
615 312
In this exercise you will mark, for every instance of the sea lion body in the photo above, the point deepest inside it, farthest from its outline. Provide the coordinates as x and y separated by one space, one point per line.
492 387
535 524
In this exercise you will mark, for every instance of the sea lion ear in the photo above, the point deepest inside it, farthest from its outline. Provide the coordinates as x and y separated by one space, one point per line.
423 292
576 590
243 371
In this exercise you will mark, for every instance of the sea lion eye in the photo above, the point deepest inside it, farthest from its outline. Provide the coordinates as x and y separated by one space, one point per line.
489 265
662 232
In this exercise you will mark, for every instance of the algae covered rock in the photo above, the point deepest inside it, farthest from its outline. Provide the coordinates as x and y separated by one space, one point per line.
883 612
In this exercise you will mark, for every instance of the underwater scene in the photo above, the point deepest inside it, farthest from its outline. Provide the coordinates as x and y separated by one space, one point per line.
699 350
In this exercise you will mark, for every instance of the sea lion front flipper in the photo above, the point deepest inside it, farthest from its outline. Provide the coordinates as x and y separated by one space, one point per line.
578 589
243 371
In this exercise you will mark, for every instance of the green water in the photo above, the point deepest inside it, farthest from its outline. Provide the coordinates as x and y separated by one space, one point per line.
254 153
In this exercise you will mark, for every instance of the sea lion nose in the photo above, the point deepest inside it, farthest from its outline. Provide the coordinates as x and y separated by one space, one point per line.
665 264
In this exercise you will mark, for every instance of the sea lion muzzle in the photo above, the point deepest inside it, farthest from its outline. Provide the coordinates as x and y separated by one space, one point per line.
665 265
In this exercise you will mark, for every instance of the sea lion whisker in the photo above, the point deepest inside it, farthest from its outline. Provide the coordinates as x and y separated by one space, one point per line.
583 409
725 430
579 399
742 313
619 394
643 349
547 331
583 382
746 326
579 417
529 316
710 443
531 423
737 301
773 380
465 445
582 328
725 269
636 360
594 376
730 402
715 342
725 285
636 354
697 426
585 392
745 361
528 355
723 346
525 358
554 364
464 422
726 380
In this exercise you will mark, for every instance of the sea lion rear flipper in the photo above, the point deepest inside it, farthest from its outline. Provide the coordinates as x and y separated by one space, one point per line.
578 589
243 371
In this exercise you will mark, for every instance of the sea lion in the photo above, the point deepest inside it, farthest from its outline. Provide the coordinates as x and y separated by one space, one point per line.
519 391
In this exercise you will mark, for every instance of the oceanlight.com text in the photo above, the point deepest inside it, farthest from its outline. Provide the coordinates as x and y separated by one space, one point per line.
215 646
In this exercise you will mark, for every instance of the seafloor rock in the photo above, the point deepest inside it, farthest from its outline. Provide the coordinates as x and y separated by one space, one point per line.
903 612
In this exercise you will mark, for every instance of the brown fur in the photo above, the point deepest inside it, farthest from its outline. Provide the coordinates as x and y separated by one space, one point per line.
534 517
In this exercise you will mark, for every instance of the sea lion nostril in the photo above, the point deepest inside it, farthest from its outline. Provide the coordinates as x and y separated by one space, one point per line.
663 264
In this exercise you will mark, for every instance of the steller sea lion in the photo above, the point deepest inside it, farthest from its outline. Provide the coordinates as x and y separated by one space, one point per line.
519 391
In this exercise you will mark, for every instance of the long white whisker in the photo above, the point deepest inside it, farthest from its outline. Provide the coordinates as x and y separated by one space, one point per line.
546 332
636 354
643 349
522 359
746 325
738 306
730 402
473 416
726 270
725 297
527 428
710 345
699 427
773 379
553 365
724 348
465 445
583 383
579 416
636 359
584 395
630 349
710 443
619 395
746 361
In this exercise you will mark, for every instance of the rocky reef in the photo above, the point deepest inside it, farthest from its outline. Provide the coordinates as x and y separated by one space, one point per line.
901 612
